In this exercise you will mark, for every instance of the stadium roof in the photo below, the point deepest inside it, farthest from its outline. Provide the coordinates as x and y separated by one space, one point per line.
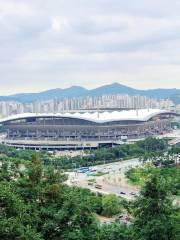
102 117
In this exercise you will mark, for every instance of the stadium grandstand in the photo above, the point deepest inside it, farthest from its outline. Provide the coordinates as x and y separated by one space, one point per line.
84 130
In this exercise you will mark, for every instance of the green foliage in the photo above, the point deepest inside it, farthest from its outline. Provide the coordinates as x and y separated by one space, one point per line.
20 155
139 175
174 150
152 144
154 212
115 231
99 156
110 205
35 204
88 198
107 155
14 216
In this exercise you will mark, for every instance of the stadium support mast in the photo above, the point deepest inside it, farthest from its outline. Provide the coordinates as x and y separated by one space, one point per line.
137 112
98 112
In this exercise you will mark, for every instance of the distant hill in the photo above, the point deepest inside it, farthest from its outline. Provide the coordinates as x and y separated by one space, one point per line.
77 91
114 88
176 98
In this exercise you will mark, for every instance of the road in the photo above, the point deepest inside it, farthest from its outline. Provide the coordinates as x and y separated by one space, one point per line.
112 183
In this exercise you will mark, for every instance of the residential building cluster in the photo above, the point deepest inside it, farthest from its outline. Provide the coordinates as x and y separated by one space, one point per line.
116 101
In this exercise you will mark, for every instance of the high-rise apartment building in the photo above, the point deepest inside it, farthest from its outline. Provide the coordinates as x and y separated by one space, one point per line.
117 101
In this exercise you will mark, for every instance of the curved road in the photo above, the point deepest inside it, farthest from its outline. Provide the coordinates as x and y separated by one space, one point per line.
115 169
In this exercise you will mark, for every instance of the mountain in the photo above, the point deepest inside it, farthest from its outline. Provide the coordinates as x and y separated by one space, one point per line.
160 93
176 98
77 91
114 88
74 91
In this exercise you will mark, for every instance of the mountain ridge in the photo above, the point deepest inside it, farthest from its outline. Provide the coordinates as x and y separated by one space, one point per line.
78 91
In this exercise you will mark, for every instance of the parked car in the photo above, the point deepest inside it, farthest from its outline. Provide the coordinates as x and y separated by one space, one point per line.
90 183
133 194
122 193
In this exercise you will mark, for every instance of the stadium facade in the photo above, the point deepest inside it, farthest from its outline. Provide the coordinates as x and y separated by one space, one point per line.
84 130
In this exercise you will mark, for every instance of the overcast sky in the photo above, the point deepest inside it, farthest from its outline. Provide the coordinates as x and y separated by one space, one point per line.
47 44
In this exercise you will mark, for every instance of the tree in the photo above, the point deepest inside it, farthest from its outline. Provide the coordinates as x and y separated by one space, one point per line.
115 231
57 211
152 144
15 221
154 212
68 217
110 205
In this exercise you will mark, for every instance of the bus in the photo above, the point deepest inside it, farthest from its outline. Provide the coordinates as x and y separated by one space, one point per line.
83 170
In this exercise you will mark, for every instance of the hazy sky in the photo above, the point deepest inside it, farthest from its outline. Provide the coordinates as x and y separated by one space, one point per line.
58 43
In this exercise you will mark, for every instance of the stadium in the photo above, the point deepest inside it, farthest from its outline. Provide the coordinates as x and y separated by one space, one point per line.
84 130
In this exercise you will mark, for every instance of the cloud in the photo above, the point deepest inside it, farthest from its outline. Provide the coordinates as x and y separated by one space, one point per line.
62 43
59 24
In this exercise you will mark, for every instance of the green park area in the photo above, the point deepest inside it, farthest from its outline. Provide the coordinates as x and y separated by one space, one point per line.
36 203
108 155
138 176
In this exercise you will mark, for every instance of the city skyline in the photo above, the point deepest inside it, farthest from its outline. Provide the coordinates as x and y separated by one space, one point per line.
111 101
58 44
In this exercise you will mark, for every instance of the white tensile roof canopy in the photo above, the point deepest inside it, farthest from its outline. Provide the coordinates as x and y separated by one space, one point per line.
136 115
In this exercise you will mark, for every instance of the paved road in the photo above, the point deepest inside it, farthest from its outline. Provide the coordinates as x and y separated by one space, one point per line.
114 169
